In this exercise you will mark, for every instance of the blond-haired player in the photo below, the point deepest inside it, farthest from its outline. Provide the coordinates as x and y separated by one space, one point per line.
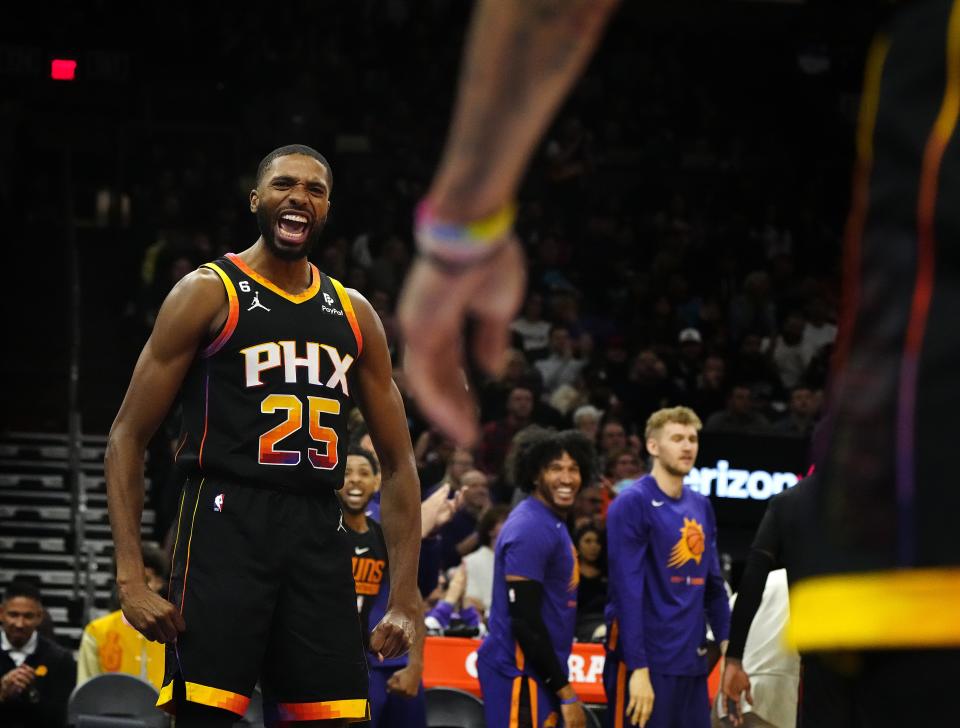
664 579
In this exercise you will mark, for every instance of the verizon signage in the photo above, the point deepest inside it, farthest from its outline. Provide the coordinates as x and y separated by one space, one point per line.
723 480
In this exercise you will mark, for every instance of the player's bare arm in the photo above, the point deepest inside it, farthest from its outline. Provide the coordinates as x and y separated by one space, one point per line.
501 112
406 682
383 410
192 312
503 107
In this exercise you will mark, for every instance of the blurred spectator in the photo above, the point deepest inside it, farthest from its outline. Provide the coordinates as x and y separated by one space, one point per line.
753 310
588 507
648 388
686 370
592 594
478 565
494 392
752 365
531 328
459 536
497 435
449 615
433 453
801 414
622 468
710 395
818 331
110 644
586 419
560 366
36 674
739 416
788 352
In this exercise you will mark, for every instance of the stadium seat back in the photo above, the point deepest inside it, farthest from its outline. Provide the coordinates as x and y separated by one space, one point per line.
452 708
114 697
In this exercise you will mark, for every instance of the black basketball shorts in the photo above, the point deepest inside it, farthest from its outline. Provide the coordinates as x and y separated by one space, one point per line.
264 582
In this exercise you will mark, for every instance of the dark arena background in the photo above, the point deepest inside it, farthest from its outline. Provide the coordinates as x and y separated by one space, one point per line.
683 222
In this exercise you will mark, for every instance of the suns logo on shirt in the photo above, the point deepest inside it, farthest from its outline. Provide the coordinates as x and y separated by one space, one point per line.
690 547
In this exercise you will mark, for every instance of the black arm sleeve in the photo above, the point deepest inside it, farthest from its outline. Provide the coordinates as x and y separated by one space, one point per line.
525 599
749 596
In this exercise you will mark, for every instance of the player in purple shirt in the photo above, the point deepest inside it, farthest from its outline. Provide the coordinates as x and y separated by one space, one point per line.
664 578
522 663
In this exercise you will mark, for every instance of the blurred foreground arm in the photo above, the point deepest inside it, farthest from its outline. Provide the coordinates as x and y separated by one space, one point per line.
521 58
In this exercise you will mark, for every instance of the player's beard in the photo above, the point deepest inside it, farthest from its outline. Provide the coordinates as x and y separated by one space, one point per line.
268 233
676 469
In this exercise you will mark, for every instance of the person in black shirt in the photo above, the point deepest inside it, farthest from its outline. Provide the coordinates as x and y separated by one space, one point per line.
36 674
396 690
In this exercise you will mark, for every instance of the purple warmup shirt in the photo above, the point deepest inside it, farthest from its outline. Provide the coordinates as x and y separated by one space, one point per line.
664 579
534 544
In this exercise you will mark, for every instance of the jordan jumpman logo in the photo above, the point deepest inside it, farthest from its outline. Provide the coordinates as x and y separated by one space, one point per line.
256 302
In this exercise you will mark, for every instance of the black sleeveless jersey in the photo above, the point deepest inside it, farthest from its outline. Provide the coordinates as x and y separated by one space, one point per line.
266 402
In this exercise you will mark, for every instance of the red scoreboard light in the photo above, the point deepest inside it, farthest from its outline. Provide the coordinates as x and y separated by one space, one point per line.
63 69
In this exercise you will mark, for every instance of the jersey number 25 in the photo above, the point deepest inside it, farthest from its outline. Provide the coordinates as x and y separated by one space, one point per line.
316 406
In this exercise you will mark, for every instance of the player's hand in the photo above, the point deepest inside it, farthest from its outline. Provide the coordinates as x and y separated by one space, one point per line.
16 681
394 635
405 682
734 684
641 697
150 614
433 308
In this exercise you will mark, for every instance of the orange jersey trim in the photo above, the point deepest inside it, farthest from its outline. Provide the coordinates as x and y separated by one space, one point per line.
515 702
176 542
856 221
532 687
204 695
186 571
352 710
350 313
233 312
306 295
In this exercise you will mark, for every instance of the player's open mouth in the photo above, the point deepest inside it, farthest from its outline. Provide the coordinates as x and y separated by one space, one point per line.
293 227
564 493
354 496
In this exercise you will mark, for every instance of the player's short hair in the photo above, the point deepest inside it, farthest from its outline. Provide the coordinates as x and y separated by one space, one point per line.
362 452
22 588
155 558
541 451
671 415
295 149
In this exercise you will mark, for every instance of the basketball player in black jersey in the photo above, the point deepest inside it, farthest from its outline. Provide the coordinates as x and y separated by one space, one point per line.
269 355
887 584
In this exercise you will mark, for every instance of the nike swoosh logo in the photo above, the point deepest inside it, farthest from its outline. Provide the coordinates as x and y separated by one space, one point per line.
359 551
656 503
701 651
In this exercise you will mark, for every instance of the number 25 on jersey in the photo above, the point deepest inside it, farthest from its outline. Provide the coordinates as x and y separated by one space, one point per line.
316 406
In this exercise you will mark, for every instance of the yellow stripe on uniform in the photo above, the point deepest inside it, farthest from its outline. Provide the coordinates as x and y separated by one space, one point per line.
885 609
349 312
